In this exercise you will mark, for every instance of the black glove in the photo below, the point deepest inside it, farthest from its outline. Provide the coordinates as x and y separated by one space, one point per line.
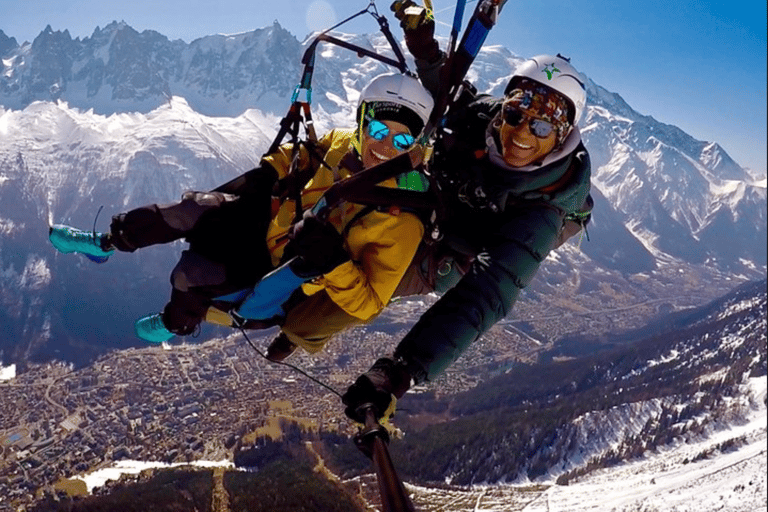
377 386
319 247
418 25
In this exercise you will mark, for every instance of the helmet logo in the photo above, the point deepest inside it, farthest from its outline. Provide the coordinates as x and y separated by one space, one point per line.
550 72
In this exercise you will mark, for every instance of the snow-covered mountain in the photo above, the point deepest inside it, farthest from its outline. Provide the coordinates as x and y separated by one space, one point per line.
118 69
123 118
684 197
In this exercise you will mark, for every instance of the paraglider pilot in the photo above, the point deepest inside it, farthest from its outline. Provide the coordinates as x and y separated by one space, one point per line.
515 177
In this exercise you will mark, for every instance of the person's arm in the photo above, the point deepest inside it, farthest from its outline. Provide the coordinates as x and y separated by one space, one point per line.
488 291
484 295
382 246
419 30
481 298
516 248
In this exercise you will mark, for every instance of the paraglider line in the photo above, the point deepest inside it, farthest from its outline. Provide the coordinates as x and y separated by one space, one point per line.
289 365
94 221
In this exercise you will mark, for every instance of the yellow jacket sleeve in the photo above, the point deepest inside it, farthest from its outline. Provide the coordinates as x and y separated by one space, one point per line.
281 159
382 246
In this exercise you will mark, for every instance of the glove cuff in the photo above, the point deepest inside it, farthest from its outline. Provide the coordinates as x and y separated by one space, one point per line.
399 378
402 381
416 371
310 270
302 268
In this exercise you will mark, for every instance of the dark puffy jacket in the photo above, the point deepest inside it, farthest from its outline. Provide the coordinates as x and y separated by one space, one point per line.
506 221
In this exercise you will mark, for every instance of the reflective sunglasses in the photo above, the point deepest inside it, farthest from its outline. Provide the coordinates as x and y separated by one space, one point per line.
379 131
513 117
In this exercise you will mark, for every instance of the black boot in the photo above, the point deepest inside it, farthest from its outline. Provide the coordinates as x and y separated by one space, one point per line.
280 348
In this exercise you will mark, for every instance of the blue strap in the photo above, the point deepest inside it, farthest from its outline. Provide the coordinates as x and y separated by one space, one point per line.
458 16
475 38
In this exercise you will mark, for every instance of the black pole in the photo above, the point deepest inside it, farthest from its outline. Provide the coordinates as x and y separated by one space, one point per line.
372 441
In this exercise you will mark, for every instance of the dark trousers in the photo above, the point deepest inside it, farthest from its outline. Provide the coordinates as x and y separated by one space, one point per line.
227 247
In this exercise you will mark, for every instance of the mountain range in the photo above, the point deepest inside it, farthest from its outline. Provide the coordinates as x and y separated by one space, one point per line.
125 118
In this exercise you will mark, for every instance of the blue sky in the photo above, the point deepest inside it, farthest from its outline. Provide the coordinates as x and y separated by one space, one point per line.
700 65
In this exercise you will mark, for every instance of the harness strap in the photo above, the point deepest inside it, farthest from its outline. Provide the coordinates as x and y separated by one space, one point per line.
297 179
401 66
386 197
288 124
361 181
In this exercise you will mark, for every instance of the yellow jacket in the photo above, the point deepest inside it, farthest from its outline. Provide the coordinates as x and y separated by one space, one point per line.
381 244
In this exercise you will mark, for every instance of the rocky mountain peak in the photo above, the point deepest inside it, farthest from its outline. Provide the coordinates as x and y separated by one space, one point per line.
6 43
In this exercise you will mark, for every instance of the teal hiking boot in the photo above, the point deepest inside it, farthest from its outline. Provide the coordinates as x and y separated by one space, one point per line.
67 239
151 328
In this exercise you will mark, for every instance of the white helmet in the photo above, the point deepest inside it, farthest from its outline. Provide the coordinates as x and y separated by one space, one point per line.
401 89
556 72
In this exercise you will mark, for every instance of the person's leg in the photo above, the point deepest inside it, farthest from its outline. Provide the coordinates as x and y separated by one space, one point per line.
228 252
158 224
197 281
140 227
314 321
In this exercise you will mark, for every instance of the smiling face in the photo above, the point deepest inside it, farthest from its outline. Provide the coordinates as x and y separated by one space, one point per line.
520 147
374 152
535 120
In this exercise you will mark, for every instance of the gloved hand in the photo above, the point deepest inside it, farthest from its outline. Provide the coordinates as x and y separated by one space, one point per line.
387 379
418 24
319 247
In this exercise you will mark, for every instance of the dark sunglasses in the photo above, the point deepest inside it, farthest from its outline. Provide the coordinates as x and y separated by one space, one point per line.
513 117
380 131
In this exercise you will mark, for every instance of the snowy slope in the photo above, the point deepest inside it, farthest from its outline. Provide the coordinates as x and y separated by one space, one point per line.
60 165
151 156
679 196
698 476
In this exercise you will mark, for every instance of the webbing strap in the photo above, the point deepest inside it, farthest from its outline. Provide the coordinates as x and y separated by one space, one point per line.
387 197
480 24
458 16
309 54
362 181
